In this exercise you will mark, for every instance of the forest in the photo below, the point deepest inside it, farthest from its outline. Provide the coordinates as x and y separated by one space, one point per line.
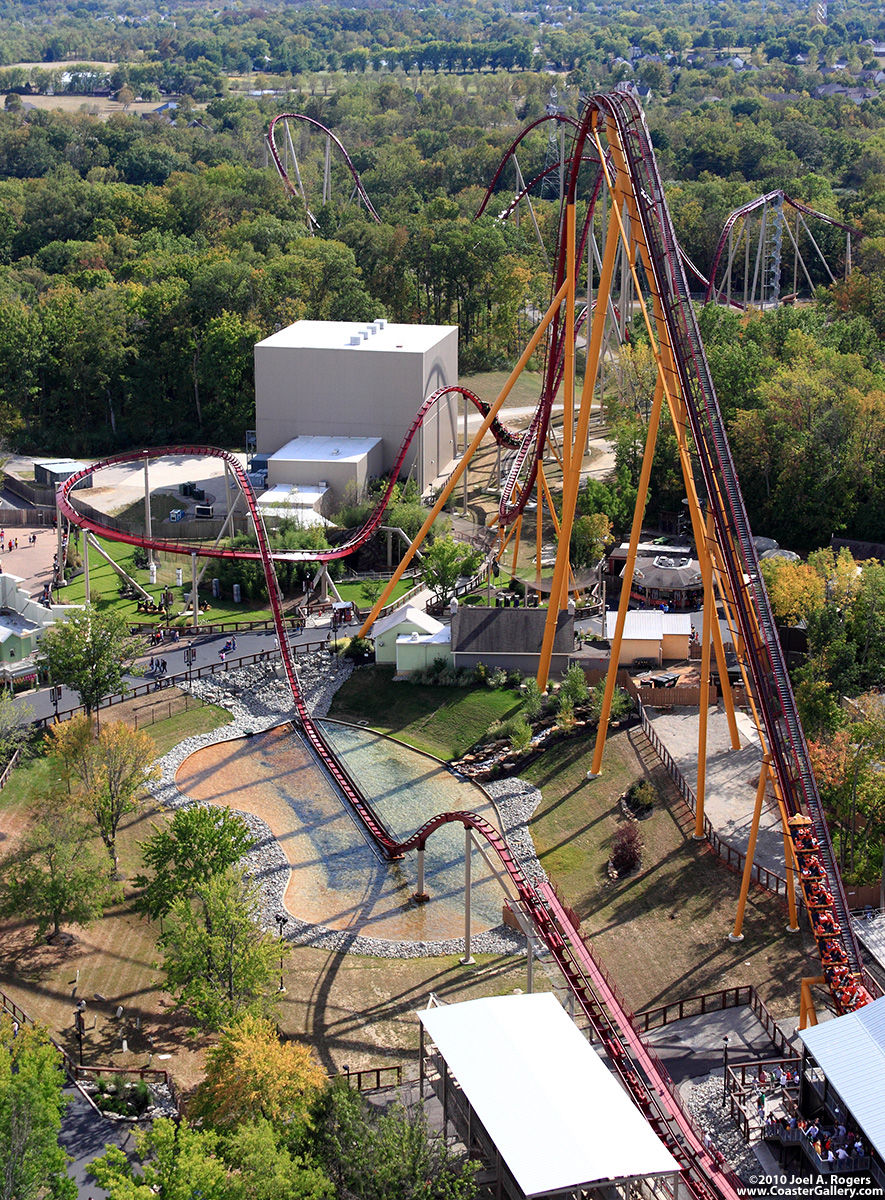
143 255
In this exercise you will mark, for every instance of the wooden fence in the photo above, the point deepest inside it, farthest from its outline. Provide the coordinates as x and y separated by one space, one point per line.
77 1073
689 697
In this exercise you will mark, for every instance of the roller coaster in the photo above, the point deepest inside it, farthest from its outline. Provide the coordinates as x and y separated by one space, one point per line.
610 156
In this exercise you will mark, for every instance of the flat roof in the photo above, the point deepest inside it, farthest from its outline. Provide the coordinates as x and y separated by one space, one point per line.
850 1050
293 494
558 1116
315 448
336 335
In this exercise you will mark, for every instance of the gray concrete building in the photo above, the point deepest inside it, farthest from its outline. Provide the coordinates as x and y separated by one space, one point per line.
334 379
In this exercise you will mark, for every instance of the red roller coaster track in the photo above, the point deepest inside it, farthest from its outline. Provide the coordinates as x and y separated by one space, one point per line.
293 191
642 1074
644 1077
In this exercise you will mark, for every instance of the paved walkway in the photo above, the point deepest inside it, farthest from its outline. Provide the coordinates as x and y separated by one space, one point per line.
732 778
85 1134
694 1045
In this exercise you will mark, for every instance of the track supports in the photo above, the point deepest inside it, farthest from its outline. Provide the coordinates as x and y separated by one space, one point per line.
468 960
737 933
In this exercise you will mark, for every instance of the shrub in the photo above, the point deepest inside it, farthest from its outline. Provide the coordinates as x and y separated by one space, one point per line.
497 679
534 701
626 849
565 717
641 796
140 1097
480 673
521 733
357 647
574 686
514 678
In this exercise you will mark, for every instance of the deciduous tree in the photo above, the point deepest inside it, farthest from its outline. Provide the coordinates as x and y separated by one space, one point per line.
443 565
197 844
89 651
104 770
252 1074
55 875
32 1164
217 959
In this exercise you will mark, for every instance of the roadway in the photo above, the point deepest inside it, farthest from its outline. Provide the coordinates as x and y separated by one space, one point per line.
207 650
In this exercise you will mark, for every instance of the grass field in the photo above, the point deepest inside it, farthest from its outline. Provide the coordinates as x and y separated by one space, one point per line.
663 931
353 592
104 582
439 720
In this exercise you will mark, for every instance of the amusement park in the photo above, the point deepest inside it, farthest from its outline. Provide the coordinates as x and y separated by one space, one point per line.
706 1014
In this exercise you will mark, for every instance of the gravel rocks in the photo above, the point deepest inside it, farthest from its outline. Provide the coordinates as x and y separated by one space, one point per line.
258 699
703 1099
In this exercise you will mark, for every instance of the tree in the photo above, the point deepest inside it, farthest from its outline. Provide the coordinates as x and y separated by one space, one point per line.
32 1164
387 1156
175 1162
185 1162
443 565
89 651
589 538
55 875
266 1168
104 770
216 958
199 843
252 1074
14 728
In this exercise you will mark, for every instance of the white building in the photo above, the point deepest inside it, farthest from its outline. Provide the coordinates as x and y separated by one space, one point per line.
322 463
333 379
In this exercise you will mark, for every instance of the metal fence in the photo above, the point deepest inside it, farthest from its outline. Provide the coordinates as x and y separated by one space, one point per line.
732 858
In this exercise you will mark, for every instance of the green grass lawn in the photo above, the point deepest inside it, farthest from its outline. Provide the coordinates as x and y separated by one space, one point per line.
443 721
104 582
354 593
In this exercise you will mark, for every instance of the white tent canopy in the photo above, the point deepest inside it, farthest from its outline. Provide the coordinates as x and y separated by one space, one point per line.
558 1116
850 1050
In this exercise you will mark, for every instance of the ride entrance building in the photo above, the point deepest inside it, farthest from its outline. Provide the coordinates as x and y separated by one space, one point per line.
367 380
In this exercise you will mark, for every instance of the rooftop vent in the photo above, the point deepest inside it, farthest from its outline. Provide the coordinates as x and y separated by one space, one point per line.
381 323
355 340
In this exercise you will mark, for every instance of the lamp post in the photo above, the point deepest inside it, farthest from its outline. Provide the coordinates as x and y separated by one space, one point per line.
282 922
724 1070
79 1025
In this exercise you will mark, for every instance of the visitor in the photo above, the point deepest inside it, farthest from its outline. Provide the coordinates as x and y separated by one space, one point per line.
221 655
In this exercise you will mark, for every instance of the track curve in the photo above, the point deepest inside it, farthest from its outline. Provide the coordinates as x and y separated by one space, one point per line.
287 183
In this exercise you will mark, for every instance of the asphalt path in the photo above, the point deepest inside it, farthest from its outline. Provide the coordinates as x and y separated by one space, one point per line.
207 651
84 1135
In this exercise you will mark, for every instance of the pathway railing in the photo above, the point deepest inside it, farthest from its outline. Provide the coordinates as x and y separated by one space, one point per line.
733 858
709 1002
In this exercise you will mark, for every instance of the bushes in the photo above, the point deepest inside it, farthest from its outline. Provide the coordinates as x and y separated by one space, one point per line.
626 853
441 673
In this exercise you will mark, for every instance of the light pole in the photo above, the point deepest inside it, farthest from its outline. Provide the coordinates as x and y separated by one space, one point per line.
79 1025
282 922
724 1070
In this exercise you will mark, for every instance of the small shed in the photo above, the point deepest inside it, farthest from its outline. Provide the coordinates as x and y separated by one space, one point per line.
529 1093
401 623
50 472
415 651
510 638
651 634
